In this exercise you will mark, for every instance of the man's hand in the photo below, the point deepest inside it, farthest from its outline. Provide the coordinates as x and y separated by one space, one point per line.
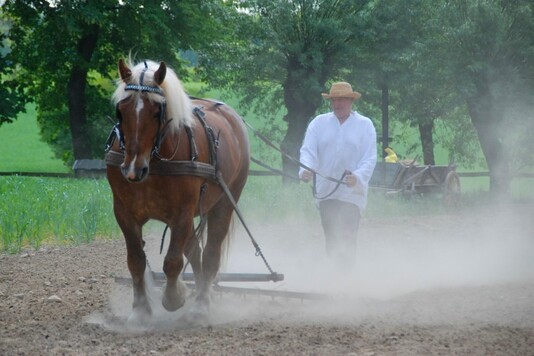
350 179
306 176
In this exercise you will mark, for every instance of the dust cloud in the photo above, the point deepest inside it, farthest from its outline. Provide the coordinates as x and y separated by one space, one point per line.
399 257
423 269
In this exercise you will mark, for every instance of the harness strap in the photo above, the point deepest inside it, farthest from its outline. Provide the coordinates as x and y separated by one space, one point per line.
144 89
173 168
162 127
199 230
213 141
274 170
192 144
292 159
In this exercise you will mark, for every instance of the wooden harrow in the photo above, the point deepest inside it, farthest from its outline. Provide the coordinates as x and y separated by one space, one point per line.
188 278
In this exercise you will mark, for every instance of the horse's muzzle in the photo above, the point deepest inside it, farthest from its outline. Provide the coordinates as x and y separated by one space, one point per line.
134 174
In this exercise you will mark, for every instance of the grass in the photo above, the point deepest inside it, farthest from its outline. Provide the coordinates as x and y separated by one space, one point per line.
65 211
37 211
60 211
22 149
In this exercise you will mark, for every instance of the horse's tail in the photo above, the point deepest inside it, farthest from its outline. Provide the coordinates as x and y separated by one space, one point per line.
225 246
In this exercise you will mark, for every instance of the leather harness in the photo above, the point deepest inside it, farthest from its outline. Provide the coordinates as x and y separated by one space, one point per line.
177 168
168 167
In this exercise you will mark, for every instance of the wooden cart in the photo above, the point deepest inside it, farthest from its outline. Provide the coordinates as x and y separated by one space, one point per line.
410 179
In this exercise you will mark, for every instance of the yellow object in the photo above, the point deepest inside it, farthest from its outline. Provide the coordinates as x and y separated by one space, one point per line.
392 156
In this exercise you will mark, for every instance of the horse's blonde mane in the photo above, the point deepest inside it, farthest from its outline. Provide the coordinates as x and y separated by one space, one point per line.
179 106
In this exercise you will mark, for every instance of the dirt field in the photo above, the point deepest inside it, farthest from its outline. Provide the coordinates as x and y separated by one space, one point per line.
459 283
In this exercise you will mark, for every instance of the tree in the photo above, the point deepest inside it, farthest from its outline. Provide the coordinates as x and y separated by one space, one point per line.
490 52
424 91
285 53
388 55
66 53
12 97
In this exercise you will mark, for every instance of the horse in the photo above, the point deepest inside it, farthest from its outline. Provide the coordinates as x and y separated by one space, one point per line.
172 158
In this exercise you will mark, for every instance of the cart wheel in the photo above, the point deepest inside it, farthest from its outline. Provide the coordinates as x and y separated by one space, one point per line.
451 190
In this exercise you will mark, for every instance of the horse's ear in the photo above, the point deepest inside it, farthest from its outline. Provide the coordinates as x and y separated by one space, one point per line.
159 75
124 71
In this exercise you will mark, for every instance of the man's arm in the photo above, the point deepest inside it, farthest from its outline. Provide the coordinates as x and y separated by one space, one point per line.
308 153
367 164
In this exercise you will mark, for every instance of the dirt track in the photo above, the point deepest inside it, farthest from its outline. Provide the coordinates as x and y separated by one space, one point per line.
460 283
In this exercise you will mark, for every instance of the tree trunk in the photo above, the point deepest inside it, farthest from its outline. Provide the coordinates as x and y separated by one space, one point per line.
301 106
296 128
487 116
76 93
427 141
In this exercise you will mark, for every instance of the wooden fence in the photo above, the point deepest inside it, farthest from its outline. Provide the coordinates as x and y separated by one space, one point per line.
95 168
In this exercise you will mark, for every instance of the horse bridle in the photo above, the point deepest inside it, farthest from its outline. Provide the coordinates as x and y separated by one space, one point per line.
116 131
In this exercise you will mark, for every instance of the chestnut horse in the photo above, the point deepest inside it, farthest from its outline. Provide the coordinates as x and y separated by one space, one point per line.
172 158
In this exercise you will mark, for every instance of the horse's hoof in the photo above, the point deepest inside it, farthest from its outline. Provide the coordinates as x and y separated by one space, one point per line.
173 303
174 299
197 315
139 317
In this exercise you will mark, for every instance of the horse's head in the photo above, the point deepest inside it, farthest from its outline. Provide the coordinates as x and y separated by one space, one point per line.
142 113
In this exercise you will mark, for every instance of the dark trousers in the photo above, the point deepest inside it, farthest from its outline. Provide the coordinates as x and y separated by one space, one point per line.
340 221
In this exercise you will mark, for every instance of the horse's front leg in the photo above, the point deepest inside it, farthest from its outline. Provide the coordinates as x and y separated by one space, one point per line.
175 290
141 310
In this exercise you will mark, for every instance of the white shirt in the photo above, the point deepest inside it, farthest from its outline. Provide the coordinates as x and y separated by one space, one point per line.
330 148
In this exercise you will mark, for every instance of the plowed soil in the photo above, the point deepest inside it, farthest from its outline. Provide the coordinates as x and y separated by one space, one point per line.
457 283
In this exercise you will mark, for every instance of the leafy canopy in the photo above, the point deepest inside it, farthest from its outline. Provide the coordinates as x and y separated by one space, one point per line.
49 46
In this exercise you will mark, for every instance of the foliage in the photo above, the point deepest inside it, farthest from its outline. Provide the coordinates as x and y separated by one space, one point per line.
489 54
58 46
12 97
455 132
288 50
444 62
417 99
285 53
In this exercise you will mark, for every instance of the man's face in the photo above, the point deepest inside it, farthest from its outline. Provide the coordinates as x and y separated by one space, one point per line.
341 107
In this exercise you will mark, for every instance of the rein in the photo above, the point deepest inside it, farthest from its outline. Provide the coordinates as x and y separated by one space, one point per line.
299 163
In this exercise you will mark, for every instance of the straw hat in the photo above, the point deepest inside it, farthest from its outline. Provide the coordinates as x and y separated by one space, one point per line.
341 90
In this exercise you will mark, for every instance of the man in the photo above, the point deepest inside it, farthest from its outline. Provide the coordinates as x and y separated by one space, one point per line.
341 143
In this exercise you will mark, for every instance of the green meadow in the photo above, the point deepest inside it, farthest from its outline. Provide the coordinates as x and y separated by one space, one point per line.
22 150
37 211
